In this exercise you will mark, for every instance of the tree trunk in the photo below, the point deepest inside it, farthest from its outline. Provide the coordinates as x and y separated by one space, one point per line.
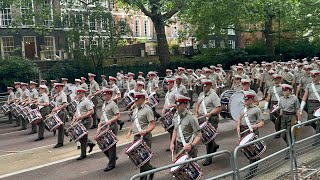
268 35
163 47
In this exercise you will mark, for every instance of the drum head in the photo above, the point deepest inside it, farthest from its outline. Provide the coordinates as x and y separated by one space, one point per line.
317 113
236 103
180 159
134 145
246 139
203 124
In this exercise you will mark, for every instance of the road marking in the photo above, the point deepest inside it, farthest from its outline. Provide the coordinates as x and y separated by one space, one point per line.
15 152
13 132
63 160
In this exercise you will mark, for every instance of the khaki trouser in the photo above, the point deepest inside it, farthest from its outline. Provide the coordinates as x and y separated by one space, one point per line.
62 116
44 112
210 147
94 115
287 121
84 141
112 152
275 117
179 146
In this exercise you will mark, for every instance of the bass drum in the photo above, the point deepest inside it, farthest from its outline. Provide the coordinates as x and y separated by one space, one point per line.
232 102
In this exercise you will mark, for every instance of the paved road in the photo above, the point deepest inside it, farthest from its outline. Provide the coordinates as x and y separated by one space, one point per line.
23 158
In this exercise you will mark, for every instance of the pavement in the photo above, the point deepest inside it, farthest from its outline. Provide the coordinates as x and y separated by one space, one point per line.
23 158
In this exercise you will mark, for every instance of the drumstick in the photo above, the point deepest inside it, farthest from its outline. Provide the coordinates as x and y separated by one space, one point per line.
179 153
172 156
245 131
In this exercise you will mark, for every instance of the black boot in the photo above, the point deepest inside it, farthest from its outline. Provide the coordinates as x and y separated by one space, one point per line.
121 123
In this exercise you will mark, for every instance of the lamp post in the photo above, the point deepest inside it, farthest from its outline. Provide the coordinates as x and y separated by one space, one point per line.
280 35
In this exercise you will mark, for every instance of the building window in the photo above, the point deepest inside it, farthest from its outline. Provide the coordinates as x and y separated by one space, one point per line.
123 25
5 14
137 28
48 9
174 32
91 2
105 23
111 4
65 20
81 45
92 23
49 45
78 21
231 32
7 45
93 44
26 8
146 27
232 44
222 44
212 43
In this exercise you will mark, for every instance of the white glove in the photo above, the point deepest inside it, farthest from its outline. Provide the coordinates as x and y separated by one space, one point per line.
266 106
299 122
303 103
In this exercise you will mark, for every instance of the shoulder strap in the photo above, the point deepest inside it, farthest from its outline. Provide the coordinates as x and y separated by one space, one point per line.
245 111
315 91
275 93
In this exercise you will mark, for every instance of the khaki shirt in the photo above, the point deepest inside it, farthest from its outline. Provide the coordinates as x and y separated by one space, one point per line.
272 93
265 76
170 98
115 90
34 94
211 100
144 115
151 86
289 104
66 89
52 92
94 87
184 79
104 83
10 96
25 94
182 89
305 80
191 80
43 98
18 93
84 86
298 75
189 126
61 99
132 84
254 115
311 94
84 106
110 109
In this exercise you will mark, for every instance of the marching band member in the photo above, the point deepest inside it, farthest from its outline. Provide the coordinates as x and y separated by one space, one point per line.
84 85
207 75
43 102
168 73
44 82
77 82
311 97
287 76
143 124
265 76
140 88
186 134
33 100
140 77
169 101
246 87
25 97
66 89
60 108
180 73
241 73
110 115
304 81
116 95
208 108
10 99
52 90
289 109
131 82
191 85
181 89
83 115
274 94
298 74
104 82
152 87
93 92
236 86
251 119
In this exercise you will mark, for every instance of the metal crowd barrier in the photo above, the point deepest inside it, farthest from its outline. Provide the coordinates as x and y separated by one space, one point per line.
306 152
214 155
269 167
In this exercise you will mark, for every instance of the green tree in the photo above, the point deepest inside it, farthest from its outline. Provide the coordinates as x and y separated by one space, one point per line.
215 17
159 11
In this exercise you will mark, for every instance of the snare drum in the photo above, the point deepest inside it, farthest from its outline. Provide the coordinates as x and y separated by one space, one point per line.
208 132
72 106
139 152
186 171
317 113
17 110
25 112
77 131
53 122
52 104
106 139
232 102
34 116
5 109
255 150
128 101
153 102
167 119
